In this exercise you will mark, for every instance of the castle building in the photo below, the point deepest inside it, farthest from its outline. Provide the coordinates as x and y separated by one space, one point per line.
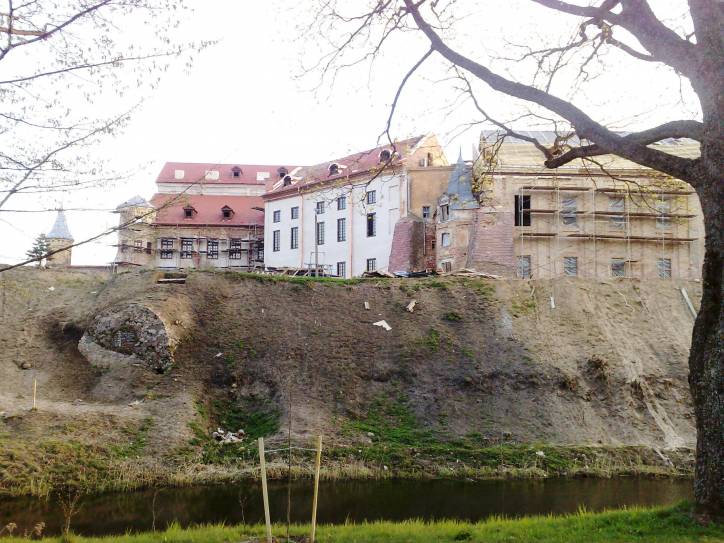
59 238
350 215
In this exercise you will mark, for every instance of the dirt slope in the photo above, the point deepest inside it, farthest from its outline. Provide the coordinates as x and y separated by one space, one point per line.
606 366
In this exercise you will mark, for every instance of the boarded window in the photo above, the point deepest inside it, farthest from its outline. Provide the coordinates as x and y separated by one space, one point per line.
341 229
444 212
618 267
663 266
524 267
617 204
522 210
569 207
320 233
447 266
294 237
276 240
570 266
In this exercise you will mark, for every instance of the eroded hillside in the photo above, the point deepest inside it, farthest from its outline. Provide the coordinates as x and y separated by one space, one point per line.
477 363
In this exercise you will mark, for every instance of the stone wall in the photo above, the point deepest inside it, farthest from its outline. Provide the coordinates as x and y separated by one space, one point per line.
134 330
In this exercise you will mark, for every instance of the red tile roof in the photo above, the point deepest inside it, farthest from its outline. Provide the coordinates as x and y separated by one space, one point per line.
352 165
195 172
208 210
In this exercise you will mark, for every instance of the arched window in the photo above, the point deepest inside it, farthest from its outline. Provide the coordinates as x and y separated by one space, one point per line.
385 155
236 172
333 169
287 180
282 172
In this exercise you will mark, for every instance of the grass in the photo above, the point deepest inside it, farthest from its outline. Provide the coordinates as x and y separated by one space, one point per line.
661 524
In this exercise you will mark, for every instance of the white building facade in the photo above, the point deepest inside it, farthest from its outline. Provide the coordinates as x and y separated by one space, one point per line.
343 231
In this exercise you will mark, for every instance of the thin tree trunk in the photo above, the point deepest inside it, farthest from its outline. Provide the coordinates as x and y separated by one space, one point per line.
705 360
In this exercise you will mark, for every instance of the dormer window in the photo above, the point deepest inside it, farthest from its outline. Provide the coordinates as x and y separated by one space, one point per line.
282 172
227 212
189 212
287 180
333 169
385 155
236 172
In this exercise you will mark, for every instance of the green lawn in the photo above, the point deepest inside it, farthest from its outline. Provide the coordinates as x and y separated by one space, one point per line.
672 524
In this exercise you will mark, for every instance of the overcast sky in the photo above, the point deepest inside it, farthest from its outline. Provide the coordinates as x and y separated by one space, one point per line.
242 102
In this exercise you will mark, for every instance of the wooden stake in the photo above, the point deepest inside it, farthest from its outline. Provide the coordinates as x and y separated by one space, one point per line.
35 392
262 462
317 464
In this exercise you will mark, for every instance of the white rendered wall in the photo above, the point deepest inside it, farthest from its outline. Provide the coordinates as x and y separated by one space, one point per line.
358 247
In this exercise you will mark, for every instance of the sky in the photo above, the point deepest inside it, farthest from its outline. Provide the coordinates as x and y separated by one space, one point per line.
245 99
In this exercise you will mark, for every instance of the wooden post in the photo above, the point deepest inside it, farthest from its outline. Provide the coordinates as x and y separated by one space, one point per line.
317 464
262 462
35 391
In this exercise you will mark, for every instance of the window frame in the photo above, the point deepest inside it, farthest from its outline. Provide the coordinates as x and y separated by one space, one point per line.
524 272
342 232
343 266
615 264
664 267
319 207
212 253
373 266
445 236
294 212
444 212
294 237
569 211
341 203
425 212
522 207
185 253
570 263
276 241
319 233
371 197
235 249
277 216
371 221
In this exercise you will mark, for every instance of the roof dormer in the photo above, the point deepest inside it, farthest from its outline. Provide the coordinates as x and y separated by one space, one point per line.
385 155
189 211
334 169
236 172
227 212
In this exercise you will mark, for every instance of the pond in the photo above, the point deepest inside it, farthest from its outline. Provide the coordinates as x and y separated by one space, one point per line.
340 501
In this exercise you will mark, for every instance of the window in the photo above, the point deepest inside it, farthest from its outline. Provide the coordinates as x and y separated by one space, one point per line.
445 239
341 203
166 248
187 247
235 249
227 212
320 233
260 254
663 265
617 204
371 196
447 266
618 267
286 181
385 155
371 224
212 249
189 212
281 172
320 208
294 238
276 240
148 247
333 169
570 266
569 206
277 216
444 212
663 206
522 210
341 269
138 246
371 264
524 267
295 212
341 229
236 172
425 212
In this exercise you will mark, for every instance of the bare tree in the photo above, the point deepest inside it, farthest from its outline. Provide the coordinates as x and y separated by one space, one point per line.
70 74
354 34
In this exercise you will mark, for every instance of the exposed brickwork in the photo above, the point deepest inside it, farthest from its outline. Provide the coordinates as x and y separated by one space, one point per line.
406 253
430 246
491 243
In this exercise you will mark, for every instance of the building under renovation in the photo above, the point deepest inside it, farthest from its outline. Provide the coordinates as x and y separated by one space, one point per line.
513 216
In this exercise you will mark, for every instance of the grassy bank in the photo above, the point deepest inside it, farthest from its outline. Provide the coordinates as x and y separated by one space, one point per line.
673 524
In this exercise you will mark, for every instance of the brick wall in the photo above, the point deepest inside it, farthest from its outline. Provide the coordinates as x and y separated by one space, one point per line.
491 243
406 253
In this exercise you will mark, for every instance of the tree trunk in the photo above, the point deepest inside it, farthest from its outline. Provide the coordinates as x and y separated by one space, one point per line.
705 358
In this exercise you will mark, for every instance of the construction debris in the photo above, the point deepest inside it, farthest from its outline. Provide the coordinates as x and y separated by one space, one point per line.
225 437
467 272
383 324
367 305
378 273
411 306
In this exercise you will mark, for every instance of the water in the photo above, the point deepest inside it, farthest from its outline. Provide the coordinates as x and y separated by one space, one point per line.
343 500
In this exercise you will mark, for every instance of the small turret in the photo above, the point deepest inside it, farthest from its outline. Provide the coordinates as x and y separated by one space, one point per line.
59 238
135 238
